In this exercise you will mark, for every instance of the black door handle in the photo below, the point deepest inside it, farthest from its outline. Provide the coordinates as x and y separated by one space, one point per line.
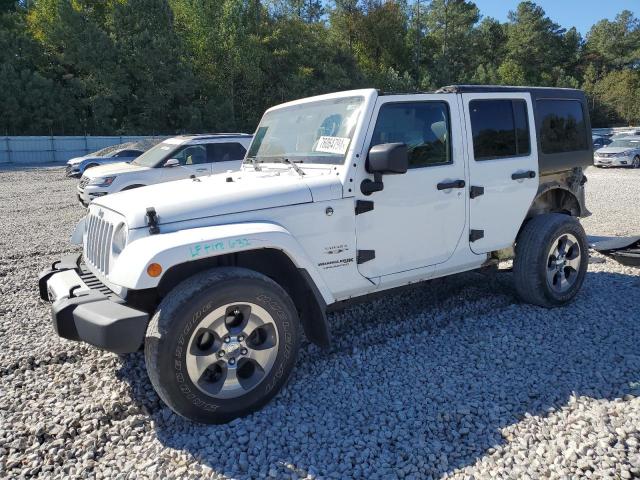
448 185
521 175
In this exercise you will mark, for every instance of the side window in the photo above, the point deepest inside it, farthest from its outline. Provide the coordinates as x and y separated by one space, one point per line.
422 126
127 153
563 127
500 129
191 155
225 152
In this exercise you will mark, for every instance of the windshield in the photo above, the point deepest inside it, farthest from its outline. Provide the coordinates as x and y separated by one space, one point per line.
107 151
316 132
155 155
625 143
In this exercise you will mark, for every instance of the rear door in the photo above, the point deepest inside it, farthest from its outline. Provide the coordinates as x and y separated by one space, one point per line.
503 166
225 156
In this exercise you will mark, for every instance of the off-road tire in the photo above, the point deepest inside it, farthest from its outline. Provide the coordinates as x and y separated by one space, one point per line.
176 320
531 261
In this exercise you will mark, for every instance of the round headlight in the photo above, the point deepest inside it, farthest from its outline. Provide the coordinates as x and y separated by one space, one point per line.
119 239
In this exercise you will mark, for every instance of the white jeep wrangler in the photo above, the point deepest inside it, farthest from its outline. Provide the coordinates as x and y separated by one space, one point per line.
340 196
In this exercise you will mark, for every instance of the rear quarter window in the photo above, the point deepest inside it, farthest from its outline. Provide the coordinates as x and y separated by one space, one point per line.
562 126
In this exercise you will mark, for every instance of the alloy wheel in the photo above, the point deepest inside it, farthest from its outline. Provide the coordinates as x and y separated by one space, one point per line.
232 350
563 263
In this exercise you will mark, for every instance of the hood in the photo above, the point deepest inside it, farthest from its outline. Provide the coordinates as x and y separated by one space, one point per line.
215 195
113 169
76 160
616 149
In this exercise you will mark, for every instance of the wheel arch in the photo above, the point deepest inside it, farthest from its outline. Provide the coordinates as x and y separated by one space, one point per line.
556 199
276 265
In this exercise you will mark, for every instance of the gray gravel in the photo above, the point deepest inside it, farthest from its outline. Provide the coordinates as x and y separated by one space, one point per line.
454 379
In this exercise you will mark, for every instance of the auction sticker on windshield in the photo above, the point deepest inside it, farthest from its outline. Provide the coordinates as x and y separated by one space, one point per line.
336 145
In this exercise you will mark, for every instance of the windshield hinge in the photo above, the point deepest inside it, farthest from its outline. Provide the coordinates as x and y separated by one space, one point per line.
152 221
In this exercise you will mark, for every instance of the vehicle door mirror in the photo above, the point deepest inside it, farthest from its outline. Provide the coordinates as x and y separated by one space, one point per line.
172 162
388 158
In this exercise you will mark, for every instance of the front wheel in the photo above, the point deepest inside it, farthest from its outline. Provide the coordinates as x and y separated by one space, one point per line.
636 162
222 344
551 260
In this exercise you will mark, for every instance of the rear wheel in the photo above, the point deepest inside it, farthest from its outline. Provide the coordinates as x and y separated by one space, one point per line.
222 344
551 260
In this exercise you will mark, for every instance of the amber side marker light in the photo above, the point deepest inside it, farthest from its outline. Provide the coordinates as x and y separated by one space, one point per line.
154 269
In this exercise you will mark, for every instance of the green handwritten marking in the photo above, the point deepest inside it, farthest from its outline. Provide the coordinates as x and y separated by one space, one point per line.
207 248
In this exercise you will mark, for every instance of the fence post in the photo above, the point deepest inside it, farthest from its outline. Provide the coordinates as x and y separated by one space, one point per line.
53 150
6 139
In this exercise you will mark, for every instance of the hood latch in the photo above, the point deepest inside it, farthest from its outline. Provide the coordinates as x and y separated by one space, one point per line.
152 221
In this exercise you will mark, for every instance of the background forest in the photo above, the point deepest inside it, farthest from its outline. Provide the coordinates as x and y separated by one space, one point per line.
169 66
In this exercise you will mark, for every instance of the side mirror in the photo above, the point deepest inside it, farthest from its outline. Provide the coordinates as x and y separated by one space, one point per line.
172 162
389 158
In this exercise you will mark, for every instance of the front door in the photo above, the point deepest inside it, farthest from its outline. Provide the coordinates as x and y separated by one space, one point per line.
419 217
503 166
193 161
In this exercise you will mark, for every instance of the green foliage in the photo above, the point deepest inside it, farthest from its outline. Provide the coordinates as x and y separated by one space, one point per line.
169 66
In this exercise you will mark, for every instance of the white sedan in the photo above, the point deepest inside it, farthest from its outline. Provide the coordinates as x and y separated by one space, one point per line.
622 152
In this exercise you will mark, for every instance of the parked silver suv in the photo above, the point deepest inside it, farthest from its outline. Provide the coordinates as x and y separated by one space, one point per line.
172 159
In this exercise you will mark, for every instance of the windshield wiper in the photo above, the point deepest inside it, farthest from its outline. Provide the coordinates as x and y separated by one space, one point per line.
295 167
254 162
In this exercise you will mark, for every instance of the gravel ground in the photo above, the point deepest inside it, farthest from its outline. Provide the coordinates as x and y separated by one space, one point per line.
454 379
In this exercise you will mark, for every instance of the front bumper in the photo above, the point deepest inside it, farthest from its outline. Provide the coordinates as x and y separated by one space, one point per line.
88 193
83 309
72 170
612 161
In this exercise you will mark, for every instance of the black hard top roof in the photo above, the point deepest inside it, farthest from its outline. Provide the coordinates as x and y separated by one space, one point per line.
539 92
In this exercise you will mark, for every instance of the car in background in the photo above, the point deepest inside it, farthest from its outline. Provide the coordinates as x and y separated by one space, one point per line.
622 152
600 141
627 133
175 158
124 152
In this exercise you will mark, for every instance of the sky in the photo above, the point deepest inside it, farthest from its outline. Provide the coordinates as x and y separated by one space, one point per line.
581 14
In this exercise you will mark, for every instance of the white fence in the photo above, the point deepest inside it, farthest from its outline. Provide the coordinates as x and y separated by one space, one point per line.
612 131
55 149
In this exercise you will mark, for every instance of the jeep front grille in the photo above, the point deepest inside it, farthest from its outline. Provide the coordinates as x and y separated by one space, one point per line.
98 244
84 181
